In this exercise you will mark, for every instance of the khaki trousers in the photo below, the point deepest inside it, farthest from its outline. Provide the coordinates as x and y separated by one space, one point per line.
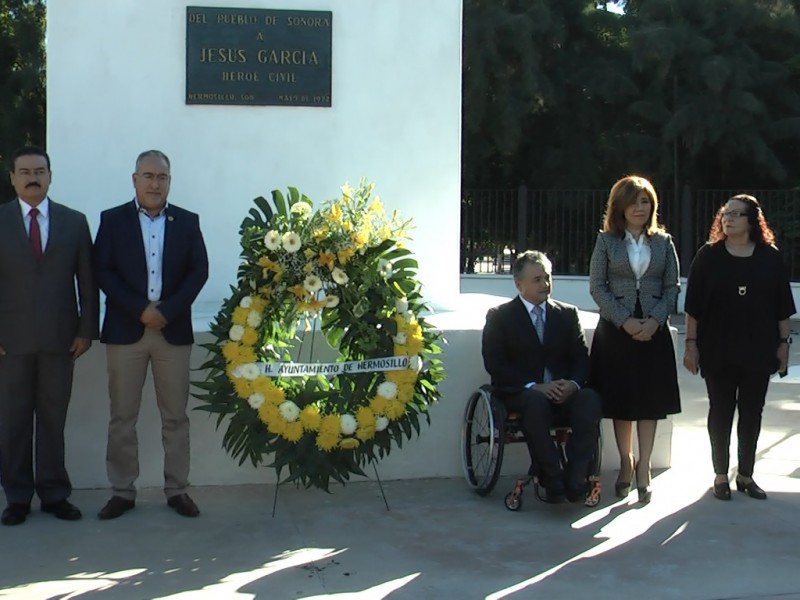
127 369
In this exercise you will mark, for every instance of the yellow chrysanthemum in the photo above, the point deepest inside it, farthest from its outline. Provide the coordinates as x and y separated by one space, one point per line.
308 253
249 337
349 443
326 441
329 425
365 433
259 304
405 393
376 206
402 376
269 413
310 418
395 408
239 315
365 417
293 431
263 385
277 426
243 387
230 350
378 405
414 346
274 395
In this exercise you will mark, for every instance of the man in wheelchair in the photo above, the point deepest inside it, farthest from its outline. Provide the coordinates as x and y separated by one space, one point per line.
534 349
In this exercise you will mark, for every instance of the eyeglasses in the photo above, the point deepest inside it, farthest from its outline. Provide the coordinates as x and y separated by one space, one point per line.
733 214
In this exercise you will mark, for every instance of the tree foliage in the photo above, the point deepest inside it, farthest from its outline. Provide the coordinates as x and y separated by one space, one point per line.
22 79
567 94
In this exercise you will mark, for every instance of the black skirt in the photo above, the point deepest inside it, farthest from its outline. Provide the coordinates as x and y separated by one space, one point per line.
637 380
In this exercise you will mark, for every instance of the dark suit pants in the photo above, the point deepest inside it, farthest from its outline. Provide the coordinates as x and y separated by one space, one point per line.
34 395
582 411
728 391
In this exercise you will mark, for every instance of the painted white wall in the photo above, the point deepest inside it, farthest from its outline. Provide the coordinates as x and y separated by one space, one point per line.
116 86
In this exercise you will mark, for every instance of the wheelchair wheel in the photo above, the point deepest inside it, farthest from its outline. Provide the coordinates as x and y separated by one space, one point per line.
482 439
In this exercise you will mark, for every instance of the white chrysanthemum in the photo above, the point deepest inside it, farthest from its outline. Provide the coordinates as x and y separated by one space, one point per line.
348 424
250 371
236 332
272 240
388 389
385 267
402 305
331 301
291 242
381 423
312 283
256 400
246 302
301 209
415 363
254 319
339 276
400 338
289 411
237 371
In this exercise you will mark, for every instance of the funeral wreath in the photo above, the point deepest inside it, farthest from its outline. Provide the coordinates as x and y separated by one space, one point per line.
336 282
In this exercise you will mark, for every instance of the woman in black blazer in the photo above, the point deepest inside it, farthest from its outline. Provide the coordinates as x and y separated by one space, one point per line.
633 277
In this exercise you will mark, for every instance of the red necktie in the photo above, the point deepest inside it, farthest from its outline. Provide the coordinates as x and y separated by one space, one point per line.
35 234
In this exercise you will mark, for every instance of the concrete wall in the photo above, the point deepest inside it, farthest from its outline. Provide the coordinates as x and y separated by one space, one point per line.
436 453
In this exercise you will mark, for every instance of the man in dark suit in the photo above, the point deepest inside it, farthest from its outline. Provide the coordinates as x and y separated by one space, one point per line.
151 262
45 250
535 350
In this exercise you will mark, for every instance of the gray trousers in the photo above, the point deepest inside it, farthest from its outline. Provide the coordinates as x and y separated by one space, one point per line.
34 395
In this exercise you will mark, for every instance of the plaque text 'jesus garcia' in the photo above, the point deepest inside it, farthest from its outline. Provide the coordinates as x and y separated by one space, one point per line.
258 56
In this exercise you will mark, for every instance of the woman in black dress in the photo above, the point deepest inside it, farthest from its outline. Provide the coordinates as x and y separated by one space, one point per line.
738 304
633 277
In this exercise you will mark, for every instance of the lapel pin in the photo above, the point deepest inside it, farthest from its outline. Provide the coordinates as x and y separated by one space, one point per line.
170 218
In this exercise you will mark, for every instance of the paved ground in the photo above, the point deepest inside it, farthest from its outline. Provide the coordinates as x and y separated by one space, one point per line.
439 540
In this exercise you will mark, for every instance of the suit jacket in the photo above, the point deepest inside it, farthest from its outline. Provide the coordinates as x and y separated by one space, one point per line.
121 269
40 310
612 282
514 356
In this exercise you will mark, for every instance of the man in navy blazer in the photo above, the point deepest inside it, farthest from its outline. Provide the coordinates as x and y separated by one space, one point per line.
535 351
151 263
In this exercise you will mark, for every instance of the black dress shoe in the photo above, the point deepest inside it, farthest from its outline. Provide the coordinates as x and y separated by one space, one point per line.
183 505
115 507
751 489
63 509
15 514
577 493
722 491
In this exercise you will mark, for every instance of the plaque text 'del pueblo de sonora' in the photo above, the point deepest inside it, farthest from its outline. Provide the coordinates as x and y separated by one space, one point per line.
258 56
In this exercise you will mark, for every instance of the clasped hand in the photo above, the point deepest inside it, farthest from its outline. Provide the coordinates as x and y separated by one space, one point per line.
557 391
152 317
642 330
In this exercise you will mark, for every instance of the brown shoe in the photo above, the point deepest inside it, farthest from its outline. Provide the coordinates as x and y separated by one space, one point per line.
183 505
115 507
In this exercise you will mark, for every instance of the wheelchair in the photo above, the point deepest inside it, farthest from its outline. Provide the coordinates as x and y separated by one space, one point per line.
486 430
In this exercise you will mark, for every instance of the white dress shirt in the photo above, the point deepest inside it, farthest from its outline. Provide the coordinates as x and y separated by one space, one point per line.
638 254
43 218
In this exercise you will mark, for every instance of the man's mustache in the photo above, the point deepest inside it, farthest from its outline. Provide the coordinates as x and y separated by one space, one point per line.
33 184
